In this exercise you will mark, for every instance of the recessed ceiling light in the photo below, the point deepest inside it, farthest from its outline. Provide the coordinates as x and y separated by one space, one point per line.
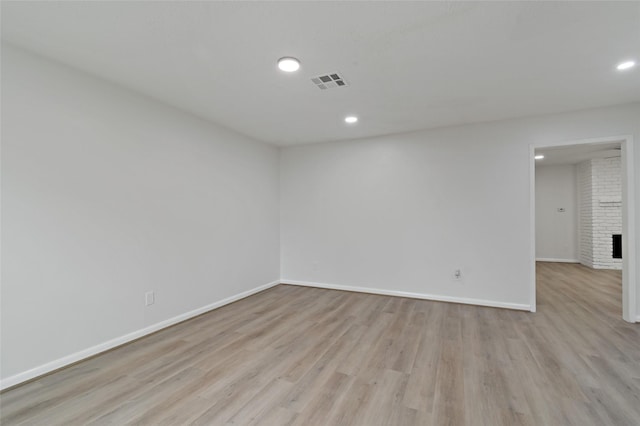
288 64
626 65
351 119
539 157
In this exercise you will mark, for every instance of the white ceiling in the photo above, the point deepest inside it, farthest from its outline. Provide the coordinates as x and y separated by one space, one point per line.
574 154
410 65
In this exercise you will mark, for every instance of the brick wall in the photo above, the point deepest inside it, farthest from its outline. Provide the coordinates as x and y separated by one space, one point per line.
600 201
585 209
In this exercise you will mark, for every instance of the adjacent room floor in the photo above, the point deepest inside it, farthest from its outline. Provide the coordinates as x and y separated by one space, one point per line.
304 356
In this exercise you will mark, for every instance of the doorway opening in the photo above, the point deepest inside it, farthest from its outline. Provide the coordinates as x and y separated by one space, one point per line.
596 227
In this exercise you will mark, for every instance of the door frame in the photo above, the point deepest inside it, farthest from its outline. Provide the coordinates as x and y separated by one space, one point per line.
629 282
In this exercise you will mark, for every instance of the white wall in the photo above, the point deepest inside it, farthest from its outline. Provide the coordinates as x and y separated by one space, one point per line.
585 217
106 195
600 189
402 212
607 210
556 231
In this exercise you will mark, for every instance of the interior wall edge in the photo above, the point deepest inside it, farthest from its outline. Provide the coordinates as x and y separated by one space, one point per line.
423 296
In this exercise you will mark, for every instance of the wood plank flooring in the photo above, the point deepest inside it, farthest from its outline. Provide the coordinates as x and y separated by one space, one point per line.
304 356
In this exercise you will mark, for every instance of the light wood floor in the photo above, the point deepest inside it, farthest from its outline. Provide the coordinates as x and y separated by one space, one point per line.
304 356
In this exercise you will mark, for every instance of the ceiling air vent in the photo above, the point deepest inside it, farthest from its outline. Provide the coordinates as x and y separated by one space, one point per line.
329 81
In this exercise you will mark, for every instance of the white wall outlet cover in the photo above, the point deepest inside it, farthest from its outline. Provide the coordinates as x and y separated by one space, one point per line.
149 298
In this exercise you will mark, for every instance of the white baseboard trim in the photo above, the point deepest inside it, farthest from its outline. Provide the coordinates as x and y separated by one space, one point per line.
553 259
437 298
638 319
118 341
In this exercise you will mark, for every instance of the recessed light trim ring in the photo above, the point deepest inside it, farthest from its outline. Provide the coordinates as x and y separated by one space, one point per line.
626 65
289 64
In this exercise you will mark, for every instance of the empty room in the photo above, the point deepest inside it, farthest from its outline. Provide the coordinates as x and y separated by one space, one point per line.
320 213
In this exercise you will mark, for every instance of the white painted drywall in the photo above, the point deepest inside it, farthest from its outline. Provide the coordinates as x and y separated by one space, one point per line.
401 212
106 195
556 231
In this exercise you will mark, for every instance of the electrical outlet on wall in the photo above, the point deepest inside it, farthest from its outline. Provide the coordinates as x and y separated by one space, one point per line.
149 298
